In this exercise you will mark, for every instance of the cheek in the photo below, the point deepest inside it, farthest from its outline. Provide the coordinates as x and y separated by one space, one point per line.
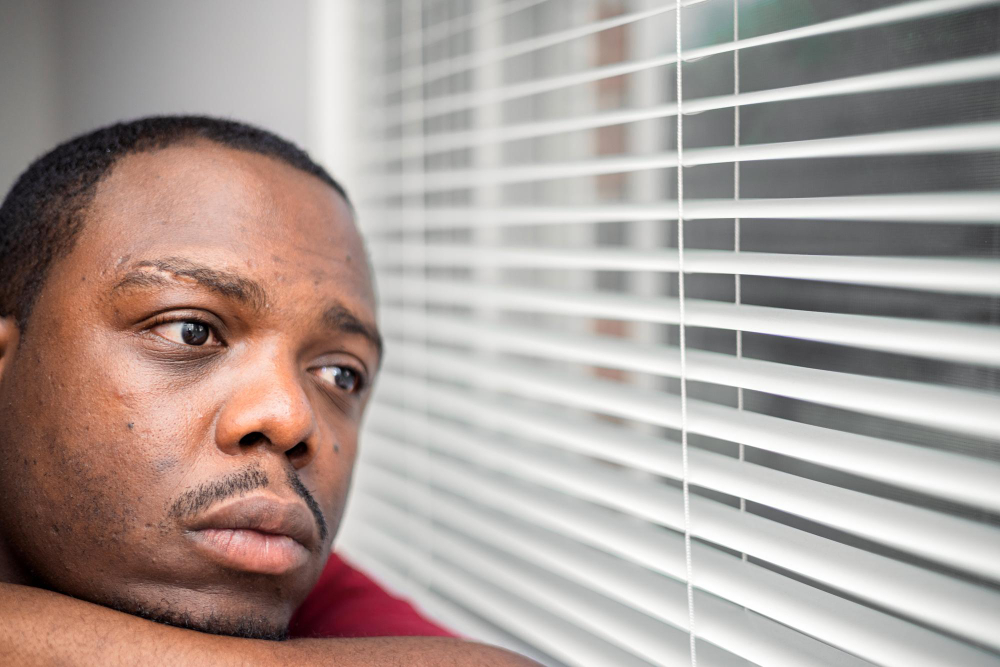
85 490
329 475
74 516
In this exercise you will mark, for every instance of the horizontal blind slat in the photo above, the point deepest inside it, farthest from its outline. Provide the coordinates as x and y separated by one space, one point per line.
541 627
864 632
962 343
431 603
879 17
423 75
960 410
633 631
971 138
938 274
965 70
941 207
720 622
505 465
908 466
943 602
949 599
436 32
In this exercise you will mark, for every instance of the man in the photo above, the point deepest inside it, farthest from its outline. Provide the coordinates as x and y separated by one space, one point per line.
187 346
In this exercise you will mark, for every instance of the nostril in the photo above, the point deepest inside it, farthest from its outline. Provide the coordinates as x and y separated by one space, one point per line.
251 439
297 452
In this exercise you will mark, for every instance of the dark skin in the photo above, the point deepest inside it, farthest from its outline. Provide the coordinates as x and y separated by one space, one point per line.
214 322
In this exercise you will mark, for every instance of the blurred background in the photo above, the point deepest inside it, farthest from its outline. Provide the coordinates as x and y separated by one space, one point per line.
746 412
69 67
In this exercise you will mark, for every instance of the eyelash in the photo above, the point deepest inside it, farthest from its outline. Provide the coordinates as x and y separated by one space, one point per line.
161 320
359 375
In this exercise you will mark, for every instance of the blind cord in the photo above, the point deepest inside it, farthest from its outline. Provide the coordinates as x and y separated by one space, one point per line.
738 286
411 39
683 342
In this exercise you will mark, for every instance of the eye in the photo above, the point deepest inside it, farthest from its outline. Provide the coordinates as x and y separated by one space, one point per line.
342 377
187 332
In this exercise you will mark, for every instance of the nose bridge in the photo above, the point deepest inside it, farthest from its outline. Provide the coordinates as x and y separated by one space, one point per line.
290 409
269 398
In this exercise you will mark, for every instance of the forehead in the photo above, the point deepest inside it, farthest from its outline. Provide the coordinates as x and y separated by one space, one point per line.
233 209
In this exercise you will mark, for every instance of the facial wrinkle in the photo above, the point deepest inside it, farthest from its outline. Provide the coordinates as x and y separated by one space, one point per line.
160 272
303 492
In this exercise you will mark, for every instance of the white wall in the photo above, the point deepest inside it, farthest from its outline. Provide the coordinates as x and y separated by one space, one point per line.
29 109
69 66
240 58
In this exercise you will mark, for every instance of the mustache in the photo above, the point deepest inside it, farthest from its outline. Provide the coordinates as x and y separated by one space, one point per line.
239 484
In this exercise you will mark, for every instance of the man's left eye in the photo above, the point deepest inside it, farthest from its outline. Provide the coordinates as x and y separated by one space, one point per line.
342 377
195 334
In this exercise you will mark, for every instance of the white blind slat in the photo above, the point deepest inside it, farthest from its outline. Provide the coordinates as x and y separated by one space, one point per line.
955 72
878 17
561 638
921 469
954 207
953 603
972 138
946 604
689 358
936 274
444 609
868 633
426 75
960 410
637 633
963 343
723 623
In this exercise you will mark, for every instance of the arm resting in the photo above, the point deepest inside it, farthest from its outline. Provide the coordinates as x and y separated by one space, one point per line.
43 628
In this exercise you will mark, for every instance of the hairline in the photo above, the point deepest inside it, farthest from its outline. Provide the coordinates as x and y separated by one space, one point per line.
45 209
192 139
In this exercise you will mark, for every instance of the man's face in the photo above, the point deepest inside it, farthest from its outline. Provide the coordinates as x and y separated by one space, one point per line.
179 421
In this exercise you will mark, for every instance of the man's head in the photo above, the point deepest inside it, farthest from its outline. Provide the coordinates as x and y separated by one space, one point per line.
187 344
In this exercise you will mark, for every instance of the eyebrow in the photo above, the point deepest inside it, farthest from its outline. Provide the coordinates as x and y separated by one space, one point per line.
244 290
226 283
342 319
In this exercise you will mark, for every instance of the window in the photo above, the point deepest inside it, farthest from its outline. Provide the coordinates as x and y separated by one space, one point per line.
742 412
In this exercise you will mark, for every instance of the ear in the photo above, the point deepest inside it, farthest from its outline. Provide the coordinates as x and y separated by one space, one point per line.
9 335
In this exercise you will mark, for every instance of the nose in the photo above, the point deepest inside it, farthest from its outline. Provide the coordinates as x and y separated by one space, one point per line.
268 407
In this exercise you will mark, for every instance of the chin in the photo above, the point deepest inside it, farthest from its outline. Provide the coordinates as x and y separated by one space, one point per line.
247 624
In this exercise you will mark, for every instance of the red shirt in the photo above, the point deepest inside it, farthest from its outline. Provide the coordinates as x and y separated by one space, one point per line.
346 603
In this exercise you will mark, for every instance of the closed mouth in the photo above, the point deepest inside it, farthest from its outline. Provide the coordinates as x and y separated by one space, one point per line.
260 534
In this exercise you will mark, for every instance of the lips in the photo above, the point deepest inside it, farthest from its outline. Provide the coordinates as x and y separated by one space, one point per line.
259 534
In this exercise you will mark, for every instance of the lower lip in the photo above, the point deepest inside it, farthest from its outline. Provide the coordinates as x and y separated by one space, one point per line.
252 551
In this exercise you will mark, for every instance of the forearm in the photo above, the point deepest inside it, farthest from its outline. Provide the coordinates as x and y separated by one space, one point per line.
43 628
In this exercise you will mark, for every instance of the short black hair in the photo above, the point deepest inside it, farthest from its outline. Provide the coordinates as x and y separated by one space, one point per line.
43 213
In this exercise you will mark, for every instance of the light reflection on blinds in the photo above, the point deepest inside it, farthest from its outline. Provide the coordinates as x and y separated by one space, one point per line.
831 404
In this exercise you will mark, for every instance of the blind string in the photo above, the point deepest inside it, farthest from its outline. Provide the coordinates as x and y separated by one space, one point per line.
737 283
411 25
683 342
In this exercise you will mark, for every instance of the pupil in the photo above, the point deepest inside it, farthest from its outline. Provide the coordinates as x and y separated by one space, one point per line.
344 378
194 333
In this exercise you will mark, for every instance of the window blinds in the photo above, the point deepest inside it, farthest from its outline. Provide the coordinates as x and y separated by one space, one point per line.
693 327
